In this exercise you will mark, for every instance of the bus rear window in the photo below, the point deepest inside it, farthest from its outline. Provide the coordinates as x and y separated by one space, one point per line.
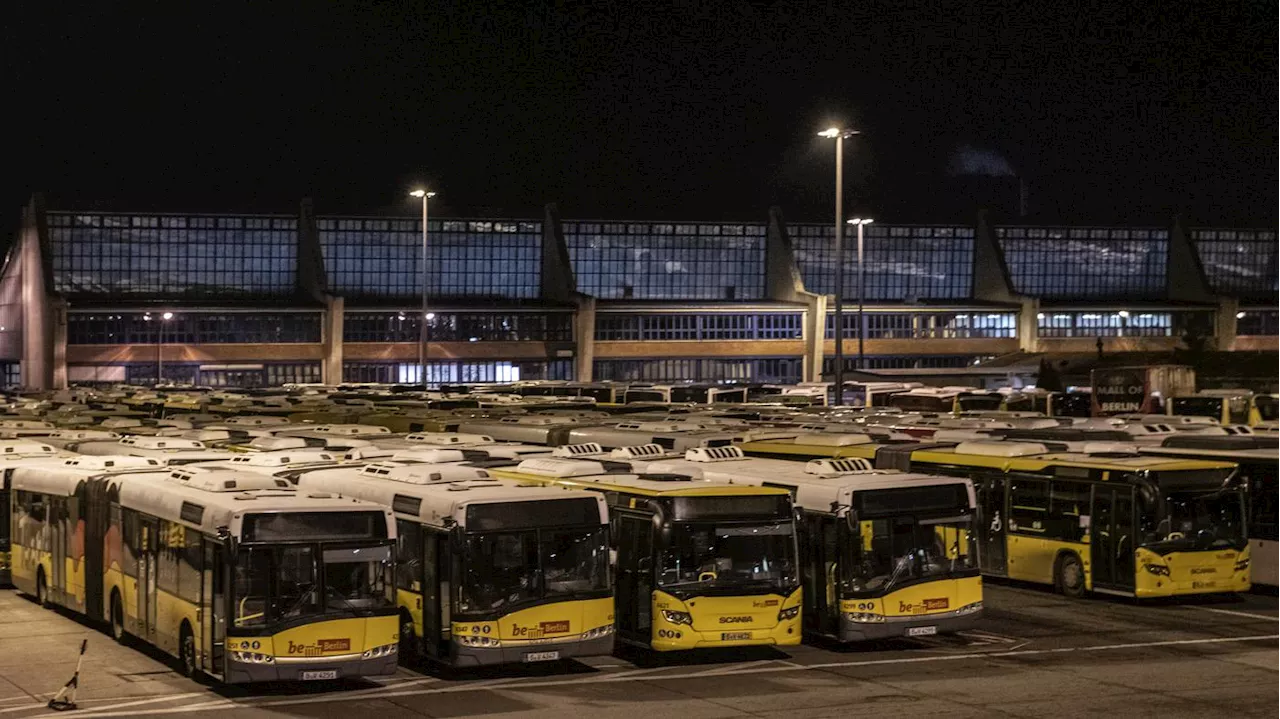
314 526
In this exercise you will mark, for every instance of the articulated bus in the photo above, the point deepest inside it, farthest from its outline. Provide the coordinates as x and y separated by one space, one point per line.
18 453
1258 470
883 553
490 571
698 564
1109 522
236 574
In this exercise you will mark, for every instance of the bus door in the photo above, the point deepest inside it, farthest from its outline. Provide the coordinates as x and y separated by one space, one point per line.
148 542
820 557
214 581
992 556
634 602
1111 538
436 593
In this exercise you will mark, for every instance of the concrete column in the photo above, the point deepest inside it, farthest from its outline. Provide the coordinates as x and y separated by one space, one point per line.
59 328
1225 323
1028 325
37 325
584 334
331 336
815 340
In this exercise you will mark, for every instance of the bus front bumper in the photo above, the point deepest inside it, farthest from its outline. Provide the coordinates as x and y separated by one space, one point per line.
530 652
912 626
310 669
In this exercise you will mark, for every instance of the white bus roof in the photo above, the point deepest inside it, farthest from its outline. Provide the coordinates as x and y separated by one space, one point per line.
437 492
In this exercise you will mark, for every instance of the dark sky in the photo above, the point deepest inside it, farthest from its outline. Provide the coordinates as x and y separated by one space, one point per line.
1111 111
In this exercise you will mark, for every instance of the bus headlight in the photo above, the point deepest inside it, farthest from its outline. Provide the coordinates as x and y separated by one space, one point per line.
383 651
677 617
1157 569
1242 565
468 640
970 608
253 658
789 613
864 617
604 631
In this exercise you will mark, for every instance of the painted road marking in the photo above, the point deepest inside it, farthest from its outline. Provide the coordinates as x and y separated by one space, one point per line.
1235 613
390 693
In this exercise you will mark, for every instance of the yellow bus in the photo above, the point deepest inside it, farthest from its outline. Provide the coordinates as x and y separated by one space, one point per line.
1109 521
490 572
18 453
697 564
234 573
883 553
1227 407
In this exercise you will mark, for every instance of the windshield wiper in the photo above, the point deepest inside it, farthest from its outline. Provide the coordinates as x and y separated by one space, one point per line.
336 593
903 563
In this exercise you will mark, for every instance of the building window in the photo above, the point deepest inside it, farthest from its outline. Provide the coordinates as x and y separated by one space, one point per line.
1076 262
367 257
456 371
98 328
904 362
929 325
1122 323
711 326
11 374
1258 322
901 263
403 326
782 370
1238 262
172 256
696 261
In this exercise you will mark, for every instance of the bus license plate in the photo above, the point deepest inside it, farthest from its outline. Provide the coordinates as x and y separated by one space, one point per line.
734 636
921 631
313 676
541 656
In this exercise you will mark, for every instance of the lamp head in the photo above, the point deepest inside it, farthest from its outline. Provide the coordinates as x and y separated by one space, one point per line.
422 193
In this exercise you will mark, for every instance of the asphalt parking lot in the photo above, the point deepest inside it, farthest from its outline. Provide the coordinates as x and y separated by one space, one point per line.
1037 654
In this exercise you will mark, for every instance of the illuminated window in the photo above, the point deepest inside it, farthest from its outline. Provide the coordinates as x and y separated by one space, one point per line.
172 256
366 257
900 263
1082 262
614 260
1238 262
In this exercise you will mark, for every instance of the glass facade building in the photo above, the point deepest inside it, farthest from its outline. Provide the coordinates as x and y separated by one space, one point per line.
1086 262
1238 262
667 261
458 327
173 256
711 326
371 257
901 263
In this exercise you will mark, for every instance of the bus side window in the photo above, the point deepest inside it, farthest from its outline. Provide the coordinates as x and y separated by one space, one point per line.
1068 504
1028 506
409 555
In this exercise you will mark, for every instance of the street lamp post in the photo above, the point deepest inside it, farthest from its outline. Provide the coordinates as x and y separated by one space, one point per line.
422 319
861 222
159 344
839 135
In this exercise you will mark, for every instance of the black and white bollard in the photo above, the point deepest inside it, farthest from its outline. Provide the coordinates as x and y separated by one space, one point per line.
65 699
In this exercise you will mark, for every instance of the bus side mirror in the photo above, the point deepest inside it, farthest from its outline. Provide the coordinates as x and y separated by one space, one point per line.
851 519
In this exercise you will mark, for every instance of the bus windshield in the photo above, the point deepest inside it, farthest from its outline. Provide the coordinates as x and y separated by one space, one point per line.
1197 520
1198 406
505 570
284 583
1268 407
970 402
711 554
894 551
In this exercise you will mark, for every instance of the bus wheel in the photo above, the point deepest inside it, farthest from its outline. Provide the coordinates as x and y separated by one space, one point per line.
187 652
42 589
117 619
1070 576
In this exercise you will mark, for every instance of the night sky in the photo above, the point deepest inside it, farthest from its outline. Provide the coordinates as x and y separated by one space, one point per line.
1110 112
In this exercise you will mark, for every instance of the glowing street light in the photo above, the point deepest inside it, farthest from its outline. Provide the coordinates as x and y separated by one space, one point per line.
424 195
860 222
839 135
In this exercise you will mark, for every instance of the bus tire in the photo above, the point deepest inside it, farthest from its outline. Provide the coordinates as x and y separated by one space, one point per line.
408 640
187 652
42 589
117 618
1068 575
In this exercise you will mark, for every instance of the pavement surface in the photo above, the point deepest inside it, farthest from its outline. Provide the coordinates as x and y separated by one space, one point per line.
1037 654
